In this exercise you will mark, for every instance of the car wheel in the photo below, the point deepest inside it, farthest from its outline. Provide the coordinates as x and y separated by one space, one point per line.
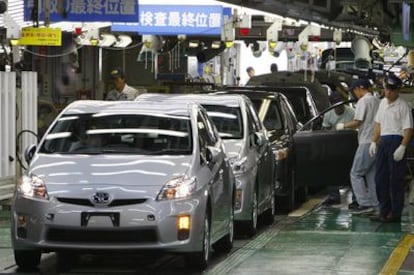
269 215
226 243
286 202
27 260
199 260
251 227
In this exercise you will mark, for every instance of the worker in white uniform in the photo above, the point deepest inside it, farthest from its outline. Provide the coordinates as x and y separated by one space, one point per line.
121 90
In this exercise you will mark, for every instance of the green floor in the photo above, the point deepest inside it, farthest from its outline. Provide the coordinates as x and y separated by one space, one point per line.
327 240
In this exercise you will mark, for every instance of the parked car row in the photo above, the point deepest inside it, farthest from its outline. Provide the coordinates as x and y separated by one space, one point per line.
307 156
165 174
174 172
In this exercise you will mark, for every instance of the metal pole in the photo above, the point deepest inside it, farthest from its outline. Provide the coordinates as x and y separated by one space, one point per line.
47 12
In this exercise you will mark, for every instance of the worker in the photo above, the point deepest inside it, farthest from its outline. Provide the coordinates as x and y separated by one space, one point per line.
121 91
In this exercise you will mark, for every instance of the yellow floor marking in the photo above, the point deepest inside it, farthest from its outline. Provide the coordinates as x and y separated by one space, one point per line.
305 208
395 261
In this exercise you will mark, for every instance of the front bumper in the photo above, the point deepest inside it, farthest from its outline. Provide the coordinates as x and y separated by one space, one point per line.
53 225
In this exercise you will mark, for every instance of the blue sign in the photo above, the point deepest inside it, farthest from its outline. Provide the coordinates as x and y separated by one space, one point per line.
87 10
205 20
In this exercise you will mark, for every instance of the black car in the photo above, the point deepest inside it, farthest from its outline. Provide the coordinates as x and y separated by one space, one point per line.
307 157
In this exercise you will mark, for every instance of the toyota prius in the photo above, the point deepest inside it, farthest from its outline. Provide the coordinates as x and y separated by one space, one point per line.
125 176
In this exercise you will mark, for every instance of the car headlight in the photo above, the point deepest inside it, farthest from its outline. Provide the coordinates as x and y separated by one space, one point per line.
177 188
32 186
238 165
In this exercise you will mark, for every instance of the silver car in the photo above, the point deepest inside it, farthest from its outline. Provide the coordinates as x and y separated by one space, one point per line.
125 176
247 148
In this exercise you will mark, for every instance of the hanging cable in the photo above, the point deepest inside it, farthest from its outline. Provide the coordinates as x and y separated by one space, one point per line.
19 135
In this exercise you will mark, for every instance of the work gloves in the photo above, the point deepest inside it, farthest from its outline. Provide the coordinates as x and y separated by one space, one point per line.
340 126
399 153
373 149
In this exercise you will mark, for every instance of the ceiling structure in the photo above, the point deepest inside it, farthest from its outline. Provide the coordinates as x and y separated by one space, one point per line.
371 17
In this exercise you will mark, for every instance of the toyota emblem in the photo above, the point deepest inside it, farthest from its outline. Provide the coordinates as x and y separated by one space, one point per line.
100 199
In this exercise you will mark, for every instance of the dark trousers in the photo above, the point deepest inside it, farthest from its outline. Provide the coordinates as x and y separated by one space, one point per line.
389 177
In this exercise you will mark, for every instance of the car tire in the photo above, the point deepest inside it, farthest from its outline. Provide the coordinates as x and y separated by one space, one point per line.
199 260
251 225
286 202
269 215
27 260
225 244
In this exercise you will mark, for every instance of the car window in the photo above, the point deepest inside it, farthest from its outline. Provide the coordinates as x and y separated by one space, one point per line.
206 139
111 133
289 115
211 130
253 113
300 106
203 137
227 119
257 103
273 119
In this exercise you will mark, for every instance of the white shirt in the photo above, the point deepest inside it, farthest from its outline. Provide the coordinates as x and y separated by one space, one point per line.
394 117
128 93
330 119
365 111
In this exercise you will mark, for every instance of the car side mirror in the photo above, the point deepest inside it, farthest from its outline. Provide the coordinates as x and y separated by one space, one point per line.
212 154
259 139
29 153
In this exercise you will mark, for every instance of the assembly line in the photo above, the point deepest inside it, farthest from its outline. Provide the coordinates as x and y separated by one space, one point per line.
271 137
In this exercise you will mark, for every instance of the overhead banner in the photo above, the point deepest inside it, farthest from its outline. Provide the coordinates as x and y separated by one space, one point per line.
86 10
177 19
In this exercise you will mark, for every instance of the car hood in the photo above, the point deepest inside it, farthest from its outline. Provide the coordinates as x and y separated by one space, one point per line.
89 171
233 147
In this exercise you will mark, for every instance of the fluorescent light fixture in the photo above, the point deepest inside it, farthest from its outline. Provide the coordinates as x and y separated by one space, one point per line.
193 44
215 44
123 41
107 40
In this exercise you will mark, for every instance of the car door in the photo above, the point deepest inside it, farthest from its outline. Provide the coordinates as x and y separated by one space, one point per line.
219 201
265 158
323 157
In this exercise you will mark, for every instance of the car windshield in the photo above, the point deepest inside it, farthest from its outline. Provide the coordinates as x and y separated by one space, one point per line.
297 98
227 119
147 134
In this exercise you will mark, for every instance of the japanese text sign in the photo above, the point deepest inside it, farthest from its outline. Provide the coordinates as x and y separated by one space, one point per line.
87 10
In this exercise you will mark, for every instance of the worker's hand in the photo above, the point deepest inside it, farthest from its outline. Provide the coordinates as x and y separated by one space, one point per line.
373 149
340 126
399 153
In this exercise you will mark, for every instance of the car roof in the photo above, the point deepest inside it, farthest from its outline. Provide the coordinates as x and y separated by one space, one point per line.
233 100
128 107
251 93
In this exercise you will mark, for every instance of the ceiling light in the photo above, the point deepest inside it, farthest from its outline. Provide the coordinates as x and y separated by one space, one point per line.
215 44
193 44
123 41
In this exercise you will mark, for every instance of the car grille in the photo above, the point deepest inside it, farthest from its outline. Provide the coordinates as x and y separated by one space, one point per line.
87 202
102 236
